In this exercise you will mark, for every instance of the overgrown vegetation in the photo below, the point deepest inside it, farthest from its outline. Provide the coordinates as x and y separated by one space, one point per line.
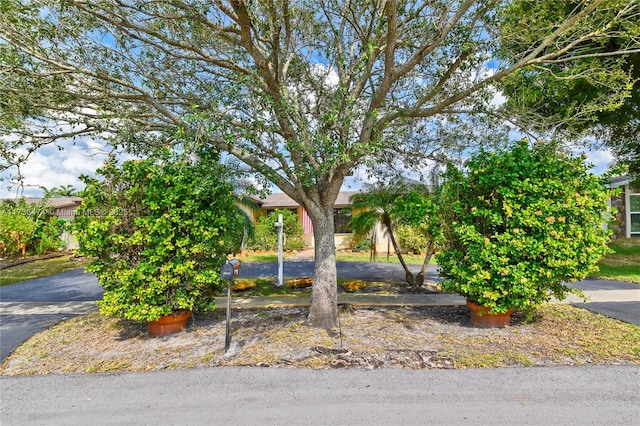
518 224
412 240
266 234
358 243
28 229
402 209
157 231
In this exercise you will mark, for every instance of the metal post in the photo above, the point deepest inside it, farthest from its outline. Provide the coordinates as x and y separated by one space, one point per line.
280 226
227 339
229 271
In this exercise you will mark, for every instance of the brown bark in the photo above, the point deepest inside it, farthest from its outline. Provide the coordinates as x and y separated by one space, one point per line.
408 276
323 312
419 280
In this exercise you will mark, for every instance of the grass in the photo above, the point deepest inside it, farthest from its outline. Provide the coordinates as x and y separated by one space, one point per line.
259 257
341 256
39 269
265 287
623 264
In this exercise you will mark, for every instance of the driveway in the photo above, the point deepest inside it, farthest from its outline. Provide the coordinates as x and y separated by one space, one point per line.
614 299
31 306
368 271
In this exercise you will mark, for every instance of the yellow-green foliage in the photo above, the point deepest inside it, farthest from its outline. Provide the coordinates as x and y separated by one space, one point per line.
300 282
156 239
518 224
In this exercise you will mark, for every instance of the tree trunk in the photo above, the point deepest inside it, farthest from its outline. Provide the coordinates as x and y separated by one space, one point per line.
419 281
324 292
408 276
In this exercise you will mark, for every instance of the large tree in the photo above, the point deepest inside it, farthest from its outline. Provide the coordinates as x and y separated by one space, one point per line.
595 96
302 91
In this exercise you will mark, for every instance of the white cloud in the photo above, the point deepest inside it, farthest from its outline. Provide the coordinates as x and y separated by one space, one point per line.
498 99
51 167
600 159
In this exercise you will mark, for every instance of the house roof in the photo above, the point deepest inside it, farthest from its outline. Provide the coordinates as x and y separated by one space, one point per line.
272 201
55 202
619 181
282 200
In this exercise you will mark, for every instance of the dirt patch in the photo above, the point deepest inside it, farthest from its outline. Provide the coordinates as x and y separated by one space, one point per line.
15 262
416 338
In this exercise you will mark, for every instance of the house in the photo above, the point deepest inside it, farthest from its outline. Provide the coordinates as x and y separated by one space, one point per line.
341 215
627 202
65 209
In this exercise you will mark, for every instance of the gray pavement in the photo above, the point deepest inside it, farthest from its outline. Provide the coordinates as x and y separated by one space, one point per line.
591 395
614 299
32 306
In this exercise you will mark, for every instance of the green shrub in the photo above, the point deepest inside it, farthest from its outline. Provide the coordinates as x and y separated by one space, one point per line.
518 224
264 237
294 243
412 239
357 243
266 234
157 230
28 229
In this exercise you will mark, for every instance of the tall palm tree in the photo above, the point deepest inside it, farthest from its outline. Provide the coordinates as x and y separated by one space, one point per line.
246 208
377 202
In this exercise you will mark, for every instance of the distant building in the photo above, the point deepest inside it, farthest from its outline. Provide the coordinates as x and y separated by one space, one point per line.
64 208
627 202
341 215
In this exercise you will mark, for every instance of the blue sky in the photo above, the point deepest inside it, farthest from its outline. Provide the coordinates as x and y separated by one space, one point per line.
51 167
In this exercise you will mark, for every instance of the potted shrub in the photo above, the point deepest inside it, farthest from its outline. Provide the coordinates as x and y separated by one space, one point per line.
157 230
517 225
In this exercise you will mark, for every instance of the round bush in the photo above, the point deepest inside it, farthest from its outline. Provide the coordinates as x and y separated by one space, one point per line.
157 230
518 224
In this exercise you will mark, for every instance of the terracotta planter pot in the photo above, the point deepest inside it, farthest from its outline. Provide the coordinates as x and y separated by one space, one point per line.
481 316
169 324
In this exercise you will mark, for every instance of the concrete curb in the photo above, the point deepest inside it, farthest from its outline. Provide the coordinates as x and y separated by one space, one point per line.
44 308
344 299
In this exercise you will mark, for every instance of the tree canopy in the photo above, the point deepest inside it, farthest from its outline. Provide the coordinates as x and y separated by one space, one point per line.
583 96
301 91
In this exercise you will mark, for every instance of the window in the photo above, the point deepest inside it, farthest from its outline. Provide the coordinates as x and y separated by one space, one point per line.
341 218
634 211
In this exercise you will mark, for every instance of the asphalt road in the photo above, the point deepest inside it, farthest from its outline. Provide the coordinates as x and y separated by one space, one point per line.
279 396
348 270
